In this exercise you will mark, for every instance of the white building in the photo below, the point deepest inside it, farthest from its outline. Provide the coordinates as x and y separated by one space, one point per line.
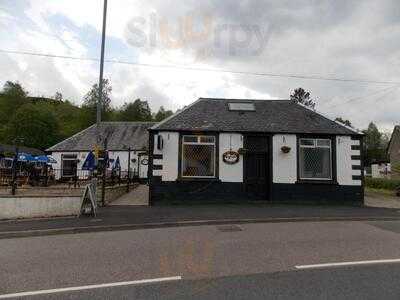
277 150
122 138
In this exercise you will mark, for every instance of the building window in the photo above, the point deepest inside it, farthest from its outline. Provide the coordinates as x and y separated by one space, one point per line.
198 156
315 159
69 165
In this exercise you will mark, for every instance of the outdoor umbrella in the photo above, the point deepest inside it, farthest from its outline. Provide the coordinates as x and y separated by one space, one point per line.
25 157
117 164
90 162
45 159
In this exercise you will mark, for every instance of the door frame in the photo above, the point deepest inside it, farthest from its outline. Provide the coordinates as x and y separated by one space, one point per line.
269 164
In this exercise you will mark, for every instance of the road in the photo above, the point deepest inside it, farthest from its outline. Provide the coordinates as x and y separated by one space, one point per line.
252 261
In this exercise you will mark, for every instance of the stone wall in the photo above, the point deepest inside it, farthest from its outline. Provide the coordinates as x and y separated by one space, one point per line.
15 207
113 193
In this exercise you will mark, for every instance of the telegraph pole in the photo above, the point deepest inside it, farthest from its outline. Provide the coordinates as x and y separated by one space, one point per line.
103 40
100 97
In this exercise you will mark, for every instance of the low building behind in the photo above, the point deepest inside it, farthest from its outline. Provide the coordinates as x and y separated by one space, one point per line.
394 152
124 139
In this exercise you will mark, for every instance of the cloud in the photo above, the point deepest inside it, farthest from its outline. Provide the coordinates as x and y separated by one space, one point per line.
347 39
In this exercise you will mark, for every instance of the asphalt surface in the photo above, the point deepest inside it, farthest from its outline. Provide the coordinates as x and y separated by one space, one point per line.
129 217
248 261
372 282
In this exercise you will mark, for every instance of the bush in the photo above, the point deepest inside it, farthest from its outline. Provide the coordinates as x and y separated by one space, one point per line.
382 183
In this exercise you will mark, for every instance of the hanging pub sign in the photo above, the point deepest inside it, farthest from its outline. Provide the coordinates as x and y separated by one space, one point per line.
230 157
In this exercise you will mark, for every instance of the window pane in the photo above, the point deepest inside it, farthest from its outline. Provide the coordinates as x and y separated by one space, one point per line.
315 163
324 143
241 106
307 142
190 139
198 160
206 139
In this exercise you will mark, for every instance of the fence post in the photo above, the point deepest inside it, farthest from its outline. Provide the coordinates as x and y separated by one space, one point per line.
46 174
14 172
129 170
103 184
75 170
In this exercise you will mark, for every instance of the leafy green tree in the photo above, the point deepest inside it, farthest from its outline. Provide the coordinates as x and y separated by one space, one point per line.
344 122
90 103
14 89
299 95
68 118
35 126
11 98
135 111
374 145
162 114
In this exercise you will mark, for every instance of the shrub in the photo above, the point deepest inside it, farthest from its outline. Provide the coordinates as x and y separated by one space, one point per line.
382 183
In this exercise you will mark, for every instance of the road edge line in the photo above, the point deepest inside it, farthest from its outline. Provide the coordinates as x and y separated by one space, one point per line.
89 287
348 263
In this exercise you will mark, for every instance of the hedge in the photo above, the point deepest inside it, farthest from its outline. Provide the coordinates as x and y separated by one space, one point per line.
382 183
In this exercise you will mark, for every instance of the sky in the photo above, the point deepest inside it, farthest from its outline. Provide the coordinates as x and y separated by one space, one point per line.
156 48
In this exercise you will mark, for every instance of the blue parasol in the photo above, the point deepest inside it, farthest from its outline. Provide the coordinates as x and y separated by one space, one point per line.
45 159
117 164
25 157
90 162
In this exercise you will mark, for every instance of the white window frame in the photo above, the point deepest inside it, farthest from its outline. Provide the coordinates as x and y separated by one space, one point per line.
198 143
315 145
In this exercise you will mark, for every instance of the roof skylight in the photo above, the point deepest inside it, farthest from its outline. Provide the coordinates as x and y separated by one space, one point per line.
241 106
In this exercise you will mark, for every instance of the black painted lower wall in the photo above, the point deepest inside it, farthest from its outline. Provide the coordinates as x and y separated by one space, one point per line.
236 192
323 193
197 191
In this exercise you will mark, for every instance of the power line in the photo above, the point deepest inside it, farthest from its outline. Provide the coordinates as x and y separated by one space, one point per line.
381 97
276 75
363 97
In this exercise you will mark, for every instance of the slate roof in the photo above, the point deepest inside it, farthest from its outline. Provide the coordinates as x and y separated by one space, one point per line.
5 148
270 116
120 136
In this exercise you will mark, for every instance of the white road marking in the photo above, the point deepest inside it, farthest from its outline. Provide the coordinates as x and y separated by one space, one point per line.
89 287
349 263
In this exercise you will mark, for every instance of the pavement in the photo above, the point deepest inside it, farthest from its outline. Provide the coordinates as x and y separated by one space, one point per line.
137 196
246 261
138 217
376 199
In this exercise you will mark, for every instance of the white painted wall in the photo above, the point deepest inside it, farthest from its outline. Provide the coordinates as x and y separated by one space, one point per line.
230 173
58 166
34 207
123 158
143 167
170 154
284 165
344 171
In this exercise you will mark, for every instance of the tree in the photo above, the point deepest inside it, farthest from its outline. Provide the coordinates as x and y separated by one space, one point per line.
11 98
374 145
344 122
58 96
91 99
14 89
162 114
299 95
35 126
136 111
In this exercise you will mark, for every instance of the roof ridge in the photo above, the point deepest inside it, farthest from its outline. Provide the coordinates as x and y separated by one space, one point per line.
355 130
242 99
127 122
